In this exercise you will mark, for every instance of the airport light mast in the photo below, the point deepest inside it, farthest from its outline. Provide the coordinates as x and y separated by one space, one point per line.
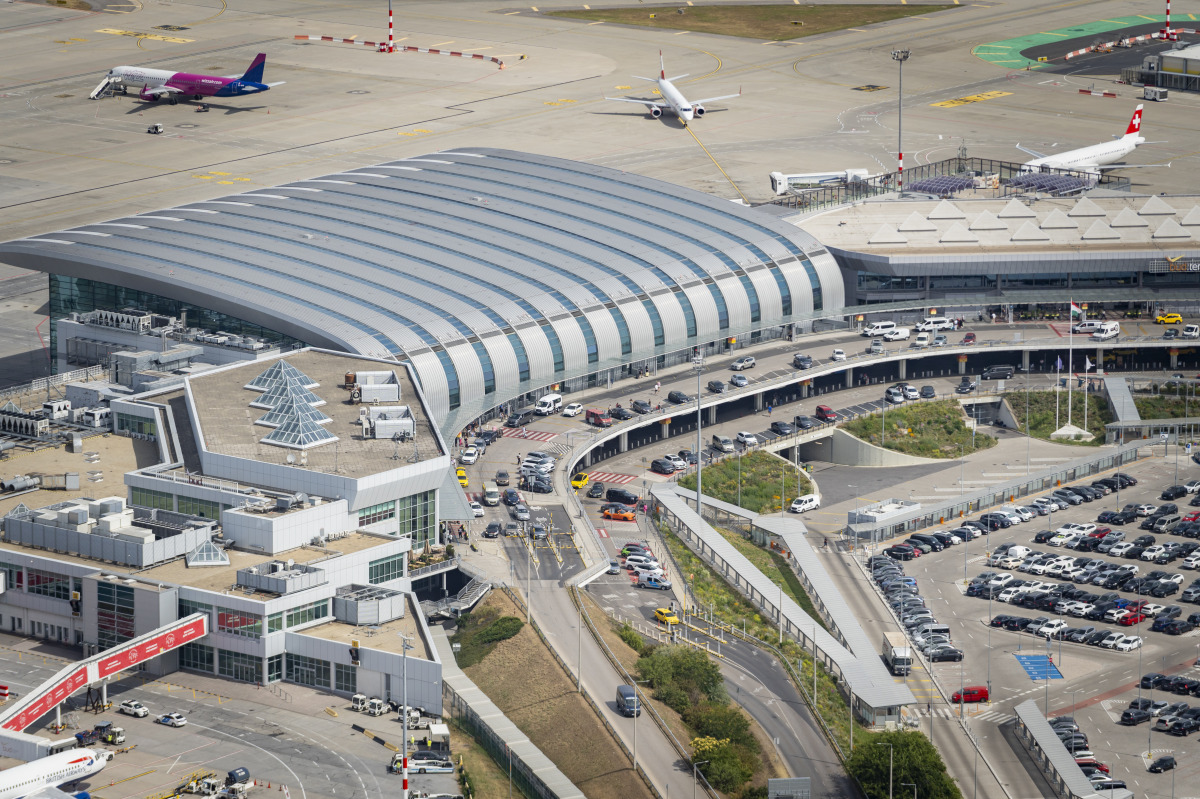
901 56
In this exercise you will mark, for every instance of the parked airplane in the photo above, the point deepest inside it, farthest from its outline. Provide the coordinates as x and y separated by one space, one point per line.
1095 157
157 83
673 100
39 779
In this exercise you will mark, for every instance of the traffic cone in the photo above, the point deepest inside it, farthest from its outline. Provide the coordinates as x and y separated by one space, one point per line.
268 786
281 786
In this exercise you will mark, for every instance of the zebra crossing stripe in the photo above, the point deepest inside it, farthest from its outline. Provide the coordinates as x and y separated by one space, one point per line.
530 435
611 478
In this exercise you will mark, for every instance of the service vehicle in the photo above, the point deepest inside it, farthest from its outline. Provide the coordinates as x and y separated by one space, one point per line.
897 653
132 707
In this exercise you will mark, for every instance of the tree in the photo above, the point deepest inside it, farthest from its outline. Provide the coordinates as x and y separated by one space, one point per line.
915 761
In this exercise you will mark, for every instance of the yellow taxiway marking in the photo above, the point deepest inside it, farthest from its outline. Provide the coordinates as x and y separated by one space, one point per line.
858 30
1052 33
479 49
441 44
717 165
153 36
534 8
586 7
1143 16
601 22
510 13
973 98
680 33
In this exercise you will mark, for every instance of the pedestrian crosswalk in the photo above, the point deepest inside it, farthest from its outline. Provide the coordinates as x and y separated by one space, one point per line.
990 716
531 435
995 717
611 478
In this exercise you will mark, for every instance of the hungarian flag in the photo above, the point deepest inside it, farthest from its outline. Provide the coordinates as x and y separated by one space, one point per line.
1076 310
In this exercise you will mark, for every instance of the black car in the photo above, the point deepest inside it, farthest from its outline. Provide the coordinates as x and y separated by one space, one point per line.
808 423
900 552
688 456
1015 623
662 466
622 495
1134 717
1134 553
641 406
487 437
1179 627
1183 727
1000 620
716 386
802 361
539 485
995 521
678 397
595 490
1154 680
1166 762
965 386
1044 536
1095 638
1116 517
492 530
1164 588
1195 501
928 392
1174 492
620 414
511 497
782 428
1143 541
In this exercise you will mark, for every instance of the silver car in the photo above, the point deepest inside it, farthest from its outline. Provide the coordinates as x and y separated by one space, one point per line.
521 512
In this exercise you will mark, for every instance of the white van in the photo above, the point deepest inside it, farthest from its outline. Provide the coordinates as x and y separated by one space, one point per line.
1106 331
1090 326
722 443
878 328
548 404
922 340
491 493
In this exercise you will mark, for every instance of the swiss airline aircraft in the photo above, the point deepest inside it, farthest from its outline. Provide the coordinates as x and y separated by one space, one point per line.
672 99
39 779
1097 156
156 83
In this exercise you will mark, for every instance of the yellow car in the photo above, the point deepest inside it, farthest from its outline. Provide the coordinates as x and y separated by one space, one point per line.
1168 319
462 477
665 616
579 480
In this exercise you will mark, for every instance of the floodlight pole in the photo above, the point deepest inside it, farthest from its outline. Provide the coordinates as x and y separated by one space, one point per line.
698 367
900 56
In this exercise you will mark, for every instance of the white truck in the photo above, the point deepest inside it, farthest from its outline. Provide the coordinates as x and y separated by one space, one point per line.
897 653
376 707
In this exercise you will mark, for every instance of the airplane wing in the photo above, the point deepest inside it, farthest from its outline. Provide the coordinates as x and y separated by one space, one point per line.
160 91
50 793
654 103
714 99
1034 153
1126 166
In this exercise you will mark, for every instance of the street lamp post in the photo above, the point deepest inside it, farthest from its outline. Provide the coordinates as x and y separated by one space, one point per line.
695 779
891 752
780 610
405 646
910 785
698 367
900 56
961 475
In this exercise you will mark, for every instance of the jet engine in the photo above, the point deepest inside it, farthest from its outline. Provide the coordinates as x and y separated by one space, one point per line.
698 110
655 111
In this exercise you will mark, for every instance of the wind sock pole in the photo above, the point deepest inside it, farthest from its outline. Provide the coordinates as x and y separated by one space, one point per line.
1070 357
391 45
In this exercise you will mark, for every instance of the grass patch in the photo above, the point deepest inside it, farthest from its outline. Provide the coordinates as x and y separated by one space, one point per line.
1043 420
1165 406
731 608
753 482
926 429
773 23
479 631
478 774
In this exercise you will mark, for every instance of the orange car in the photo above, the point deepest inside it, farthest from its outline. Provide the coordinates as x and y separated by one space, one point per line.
620 515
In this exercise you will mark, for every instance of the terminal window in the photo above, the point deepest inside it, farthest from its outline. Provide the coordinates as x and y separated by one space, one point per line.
304 670
308 613
235 622
204 508
56 586
196 657
246 668
345 678
377 513
386 569
114 614
418 517
149 498
136 424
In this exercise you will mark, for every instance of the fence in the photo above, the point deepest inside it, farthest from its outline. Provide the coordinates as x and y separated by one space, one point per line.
44 383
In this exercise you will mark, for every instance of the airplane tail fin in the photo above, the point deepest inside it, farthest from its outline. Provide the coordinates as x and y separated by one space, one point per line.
662 66
255 73
1135 123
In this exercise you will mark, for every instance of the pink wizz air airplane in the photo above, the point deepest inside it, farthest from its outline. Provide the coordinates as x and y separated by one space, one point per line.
156 83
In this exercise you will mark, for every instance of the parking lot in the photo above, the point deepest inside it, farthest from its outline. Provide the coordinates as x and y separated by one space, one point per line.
1091 682
289 737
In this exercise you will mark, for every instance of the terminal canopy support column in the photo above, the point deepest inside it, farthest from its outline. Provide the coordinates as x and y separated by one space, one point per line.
850 378
1025 361
623 442
904 370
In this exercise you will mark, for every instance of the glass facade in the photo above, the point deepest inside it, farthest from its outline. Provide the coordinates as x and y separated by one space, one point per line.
418 517
201 507
187 607
56 586
304 670
114 614
247 625
196 657
14 576
275 622
377 513
307 613
136 424
238 666
385 569
275 668
345 678
149 498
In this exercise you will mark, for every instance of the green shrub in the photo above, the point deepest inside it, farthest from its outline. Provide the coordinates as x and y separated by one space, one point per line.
754 792
631 638
915 761
727 768
720 721
754 481
690 670
673 697
928 430
501 629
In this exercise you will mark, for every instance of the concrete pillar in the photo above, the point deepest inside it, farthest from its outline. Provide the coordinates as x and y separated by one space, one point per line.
962 367
904 370
58 716
104 693
712 415
623 442
1174 358
759 401
1099 359
850 378
1025 361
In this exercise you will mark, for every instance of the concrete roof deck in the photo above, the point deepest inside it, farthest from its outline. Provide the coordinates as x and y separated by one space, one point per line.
227 420
907 227
384 637
209 578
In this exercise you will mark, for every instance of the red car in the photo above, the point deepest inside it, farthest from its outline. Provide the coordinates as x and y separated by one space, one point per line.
972 693
1132 619
826 414
1093 762
969 338
1192 517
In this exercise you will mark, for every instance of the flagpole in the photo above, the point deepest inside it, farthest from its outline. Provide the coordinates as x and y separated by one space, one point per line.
1057 387
1070 357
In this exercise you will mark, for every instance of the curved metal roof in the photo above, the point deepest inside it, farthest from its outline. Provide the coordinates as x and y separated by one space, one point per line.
493 271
